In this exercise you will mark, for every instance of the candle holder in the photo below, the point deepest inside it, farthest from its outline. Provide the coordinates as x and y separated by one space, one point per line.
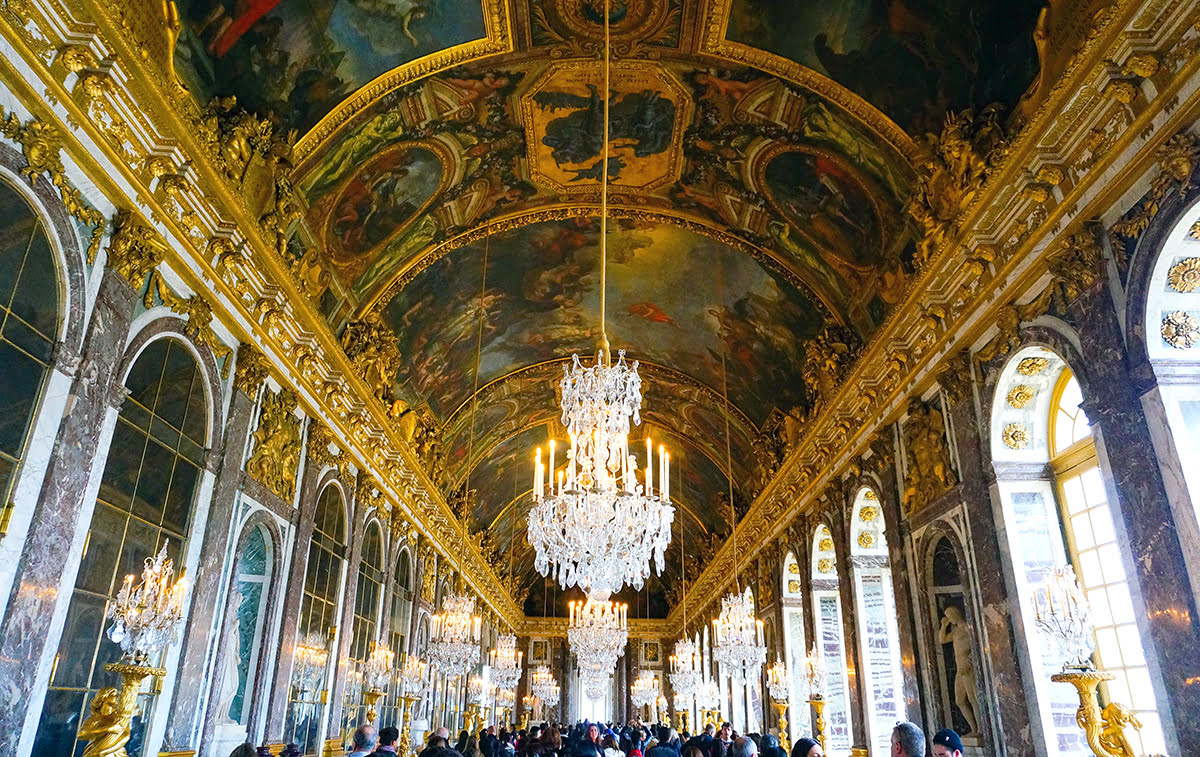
815 676
777 687
146 618
412 678
378 669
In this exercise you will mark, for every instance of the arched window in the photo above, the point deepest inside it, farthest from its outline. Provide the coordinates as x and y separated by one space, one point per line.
794 645
1062 515
146 494
365 630
879 642
29 325
399 620
830 645
318 623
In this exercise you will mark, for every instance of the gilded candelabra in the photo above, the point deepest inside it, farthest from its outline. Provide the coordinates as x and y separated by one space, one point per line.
777 686
145 619
412 678
815 675
1062 613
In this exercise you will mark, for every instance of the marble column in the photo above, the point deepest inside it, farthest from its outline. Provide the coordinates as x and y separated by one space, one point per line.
1142 515
302 527
855 682
184 723
36 608
346 622
1005 722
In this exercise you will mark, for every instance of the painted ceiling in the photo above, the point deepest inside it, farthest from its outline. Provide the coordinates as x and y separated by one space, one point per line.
449 156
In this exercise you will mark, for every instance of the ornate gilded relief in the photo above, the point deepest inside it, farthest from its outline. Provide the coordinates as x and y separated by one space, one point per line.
867 539
1180 330
576 28
1184 275
824 565
928 471
1032 366
277 444
793 587
1015 435
868 513
825 544
1020 395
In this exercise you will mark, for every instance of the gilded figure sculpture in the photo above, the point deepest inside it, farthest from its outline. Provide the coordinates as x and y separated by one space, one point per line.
371 347
928 472
107 728
277 444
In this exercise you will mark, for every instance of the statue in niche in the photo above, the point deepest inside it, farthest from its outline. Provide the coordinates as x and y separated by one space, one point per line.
229 666
954 630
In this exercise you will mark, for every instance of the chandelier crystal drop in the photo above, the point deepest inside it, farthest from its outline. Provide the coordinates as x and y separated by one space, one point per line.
592 523
686 665
544 686
455 634
505 662
738 637
708 697
597 632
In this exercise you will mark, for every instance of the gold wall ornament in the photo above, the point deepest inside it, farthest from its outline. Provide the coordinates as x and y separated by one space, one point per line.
827 356
793 568
107 727
1180 329
1020 395
371 347
41 144
197 311
1176 159
928 471
1077 265
870 496
955 377
1184 275
1103 729
825 545
868 513
1123 91
320 438
1032 366
277 444
824 565
1143 65
1015 435
866 539
250 369
793 586
134 249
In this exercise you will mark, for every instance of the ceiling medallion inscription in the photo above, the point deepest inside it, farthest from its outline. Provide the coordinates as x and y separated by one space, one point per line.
1020 396
1032 366
1015 436
1180 330
1184 276
562 113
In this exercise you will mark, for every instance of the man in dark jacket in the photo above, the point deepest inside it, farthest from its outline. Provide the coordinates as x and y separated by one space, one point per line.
667 744
703 740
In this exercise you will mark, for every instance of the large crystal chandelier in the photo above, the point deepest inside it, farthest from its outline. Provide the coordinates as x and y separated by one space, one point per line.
598 526
505 662
454 648
544 686
738 637
643 692
597 632
146 617
685 668
708 697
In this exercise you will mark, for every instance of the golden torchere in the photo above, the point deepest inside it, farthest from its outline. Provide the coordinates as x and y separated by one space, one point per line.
370 697
709 716
471 718
107 728
683 720
818 705
781 717
1104 729
404 748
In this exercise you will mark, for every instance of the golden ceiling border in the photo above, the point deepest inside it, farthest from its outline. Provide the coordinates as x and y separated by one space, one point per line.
713 42
377 302
497 20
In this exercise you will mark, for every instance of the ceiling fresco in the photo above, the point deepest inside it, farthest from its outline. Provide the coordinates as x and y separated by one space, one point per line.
913 59
448 160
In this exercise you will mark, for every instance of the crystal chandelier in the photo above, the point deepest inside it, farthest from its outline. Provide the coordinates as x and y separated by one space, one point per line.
311 656
1062 613
597 632
777 681
146 617
379 667
454 648
685 668
815 674
476 690
738 637
544 686
643 692
412 675
708 697
598 527
505 662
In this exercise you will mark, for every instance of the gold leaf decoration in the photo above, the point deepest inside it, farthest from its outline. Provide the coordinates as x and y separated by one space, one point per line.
1180 329
870 495
1032 366
868 514
1184 276
793 586
277 444
794 569
1020 396
866 540
1015 435
825 545
824 565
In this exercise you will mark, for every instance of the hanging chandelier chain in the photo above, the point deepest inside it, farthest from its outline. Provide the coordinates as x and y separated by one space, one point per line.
604 350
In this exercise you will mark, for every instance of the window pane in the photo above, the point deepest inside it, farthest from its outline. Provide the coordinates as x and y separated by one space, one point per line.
1093 486
77 646
1089 569
1110 558
1098 601
36 298
1121 604
1131 645
1109 648
20 386
1081 527
1102 526
1073 491
98 567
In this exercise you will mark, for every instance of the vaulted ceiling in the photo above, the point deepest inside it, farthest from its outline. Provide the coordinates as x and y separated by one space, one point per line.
449 157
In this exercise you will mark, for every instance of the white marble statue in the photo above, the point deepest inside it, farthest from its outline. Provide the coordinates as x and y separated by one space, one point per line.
954 631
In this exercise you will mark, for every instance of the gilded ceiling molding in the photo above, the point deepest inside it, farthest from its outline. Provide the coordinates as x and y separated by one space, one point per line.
415 266
713 42
499 39
875 392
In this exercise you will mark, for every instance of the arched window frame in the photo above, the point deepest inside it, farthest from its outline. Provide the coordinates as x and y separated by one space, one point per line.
830 640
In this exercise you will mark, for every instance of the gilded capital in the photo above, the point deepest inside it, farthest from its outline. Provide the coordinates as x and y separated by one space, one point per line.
134 249
251 369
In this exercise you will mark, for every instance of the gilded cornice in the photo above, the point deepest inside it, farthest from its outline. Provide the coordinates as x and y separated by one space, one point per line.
970 288
210 223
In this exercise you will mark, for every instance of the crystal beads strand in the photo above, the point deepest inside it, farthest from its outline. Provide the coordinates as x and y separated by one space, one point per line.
454 648
593 524
505 662
738 637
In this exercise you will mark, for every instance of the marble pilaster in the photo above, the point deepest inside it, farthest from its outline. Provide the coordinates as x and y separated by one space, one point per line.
36 607
839 526
1143 519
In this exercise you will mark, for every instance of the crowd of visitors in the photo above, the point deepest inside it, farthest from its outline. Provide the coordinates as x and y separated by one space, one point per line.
607 740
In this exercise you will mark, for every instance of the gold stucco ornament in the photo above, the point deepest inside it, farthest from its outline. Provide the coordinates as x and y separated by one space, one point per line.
1020 396
1180 329
1032 366
1184 276
1016 436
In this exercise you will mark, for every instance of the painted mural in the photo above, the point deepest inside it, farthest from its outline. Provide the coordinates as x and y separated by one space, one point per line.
299 58
541 301
913 59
